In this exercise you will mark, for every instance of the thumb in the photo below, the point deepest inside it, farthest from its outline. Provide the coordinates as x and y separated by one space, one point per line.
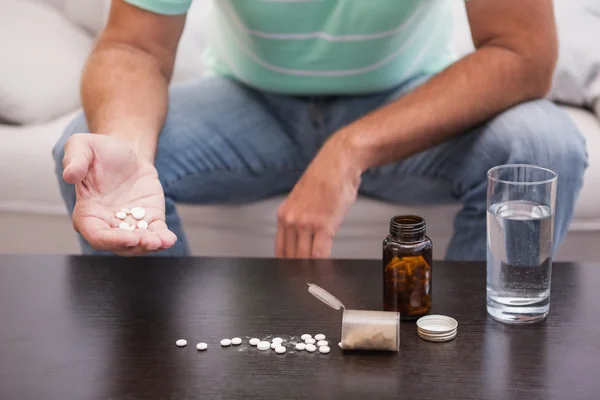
78 158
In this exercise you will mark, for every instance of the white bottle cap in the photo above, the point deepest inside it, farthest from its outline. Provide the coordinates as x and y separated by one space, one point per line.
437 328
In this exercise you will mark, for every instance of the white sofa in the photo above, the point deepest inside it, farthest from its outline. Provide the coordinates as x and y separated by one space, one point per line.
33 218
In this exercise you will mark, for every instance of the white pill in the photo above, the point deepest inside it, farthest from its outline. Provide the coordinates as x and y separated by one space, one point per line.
124 225
310 347
324 349
121 214
274 345
320 336
138 212
236 341
181 342
300 346
263 345
310 341
340 344
142 224
280 349
322 343
131 228
126 211
202 346
254 341
305 336
277 340
225 342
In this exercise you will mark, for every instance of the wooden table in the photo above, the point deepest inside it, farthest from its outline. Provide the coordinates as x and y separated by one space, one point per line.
105 328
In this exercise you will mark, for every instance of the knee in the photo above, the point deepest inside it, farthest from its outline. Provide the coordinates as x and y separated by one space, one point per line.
540 133
78 125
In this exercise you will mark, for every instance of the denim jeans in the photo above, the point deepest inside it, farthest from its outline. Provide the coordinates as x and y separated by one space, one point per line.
223 142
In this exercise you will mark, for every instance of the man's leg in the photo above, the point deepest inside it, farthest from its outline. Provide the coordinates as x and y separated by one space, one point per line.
221 143
535 132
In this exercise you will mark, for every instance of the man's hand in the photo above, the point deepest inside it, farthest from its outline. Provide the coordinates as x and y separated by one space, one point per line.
108 176
311 215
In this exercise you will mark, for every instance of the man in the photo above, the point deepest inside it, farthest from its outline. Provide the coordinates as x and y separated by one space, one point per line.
321 99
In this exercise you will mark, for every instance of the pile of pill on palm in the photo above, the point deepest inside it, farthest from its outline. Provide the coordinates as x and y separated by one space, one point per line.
308 343
138 213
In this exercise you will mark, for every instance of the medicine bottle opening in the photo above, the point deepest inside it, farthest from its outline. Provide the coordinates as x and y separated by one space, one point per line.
408 227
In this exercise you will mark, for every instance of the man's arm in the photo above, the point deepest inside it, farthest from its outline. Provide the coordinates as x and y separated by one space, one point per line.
514 61
124 84
516 51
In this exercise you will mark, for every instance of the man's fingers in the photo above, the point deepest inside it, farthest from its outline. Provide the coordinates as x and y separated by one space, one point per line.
304 243
291 238
113 239
285 241
166 237
149 241
322 244
280 241
78 158
101 236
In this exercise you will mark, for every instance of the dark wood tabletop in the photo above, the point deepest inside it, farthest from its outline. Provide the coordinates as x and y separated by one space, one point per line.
105 328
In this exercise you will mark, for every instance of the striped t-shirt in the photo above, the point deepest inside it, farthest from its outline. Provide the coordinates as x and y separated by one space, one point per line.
323 46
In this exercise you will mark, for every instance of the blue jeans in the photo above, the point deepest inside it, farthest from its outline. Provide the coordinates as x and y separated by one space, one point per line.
223 142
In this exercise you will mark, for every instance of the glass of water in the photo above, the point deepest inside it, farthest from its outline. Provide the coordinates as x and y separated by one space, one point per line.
520 226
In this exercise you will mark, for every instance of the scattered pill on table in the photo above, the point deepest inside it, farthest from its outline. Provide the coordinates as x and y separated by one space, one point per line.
142 224
340 344
263 345
202 346
121 214
138 212
276 344
320 336
124 225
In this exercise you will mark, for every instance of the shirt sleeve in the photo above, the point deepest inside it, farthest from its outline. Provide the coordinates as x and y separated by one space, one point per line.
165 7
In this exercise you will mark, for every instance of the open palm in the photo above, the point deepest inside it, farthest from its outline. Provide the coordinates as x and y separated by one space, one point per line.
108 176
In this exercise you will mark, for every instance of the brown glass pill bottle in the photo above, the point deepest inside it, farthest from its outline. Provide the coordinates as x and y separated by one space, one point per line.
407 272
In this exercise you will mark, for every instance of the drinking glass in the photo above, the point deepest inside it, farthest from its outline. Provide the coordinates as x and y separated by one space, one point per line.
520 228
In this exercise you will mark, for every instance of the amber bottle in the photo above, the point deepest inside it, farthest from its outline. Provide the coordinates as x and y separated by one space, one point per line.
407 269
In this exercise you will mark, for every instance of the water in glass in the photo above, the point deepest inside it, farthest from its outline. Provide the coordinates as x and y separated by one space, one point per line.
519 261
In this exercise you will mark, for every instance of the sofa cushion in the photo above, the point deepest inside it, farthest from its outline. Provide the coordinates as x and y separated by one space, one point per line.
90 15
587 213
577 74
39 81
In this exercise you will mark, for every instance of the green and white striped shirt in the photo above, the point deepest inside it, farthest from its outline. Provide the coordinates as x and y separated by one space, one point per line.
321 47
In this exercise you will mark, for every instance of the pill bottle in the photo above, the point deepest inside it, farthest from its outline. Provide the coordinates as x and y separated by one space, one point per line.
407 268
370 330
